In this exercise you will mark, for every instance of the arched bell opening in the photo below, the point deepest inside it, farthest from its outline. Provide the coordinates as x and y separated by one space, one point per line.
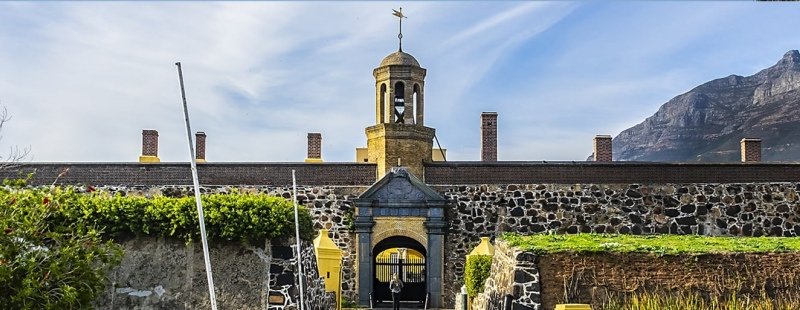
405 257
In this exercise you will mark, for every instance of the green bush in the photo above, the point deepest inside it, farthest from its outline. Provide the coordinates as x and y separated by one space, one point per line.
52 253
231 217
476 272
46 261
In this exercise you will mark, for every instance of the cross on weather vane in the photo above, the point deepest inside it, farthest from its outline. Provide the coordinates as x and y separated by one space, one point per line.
399 14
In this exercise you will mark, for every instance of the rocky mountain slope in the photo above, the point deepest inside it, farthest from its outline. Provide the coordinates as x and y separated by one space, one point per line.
707 123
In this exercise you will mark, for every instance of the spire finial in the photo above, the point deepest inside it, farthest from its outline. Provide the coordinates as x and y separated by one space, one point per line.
400 16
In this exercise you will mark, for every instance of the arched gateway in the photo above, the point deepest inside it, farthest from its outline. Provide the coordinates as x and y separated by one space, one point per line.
400 228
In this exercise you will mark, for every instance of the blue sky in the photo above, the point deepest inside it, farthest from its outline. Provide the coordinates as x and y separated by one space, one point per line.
82 79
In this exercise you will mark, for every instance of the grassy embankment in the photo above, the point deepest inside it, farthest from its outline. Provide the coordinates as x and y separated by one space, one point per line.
661 245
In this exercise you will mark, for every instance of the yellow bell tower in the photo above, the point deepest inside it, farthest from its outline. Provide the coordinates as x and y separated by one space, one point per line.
399 137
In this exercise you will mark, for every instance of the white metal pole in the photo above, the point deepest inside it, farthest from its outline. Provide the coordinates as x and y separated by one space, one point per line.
197 199
297 238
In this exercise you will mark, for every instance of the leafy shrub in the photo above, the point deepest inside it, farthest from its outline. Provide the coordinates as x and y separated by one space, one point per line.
476 272
47 262
52 253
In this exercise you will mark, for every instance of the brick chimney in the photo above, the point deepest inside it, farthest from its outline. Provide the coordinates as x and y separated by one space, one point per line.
602 148
149 146
751 150
200 147
489 136
314 147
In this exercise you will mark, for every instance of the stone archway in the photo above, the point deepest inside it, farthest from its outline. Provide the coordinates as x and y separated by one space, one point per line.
391 257
400 206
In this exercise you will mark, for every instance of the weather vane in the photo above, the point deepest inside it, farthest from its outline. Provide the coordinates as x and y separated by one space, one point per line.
399 14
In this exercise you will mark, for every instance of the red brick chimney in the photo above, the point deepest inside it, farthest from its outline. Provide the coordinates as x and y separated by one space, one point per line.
314 147
602 148
200 147
751 150
149 146
489 136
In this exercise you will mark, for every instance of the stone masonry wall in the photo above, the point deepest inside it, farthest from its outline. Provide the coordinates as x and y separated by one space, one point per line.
515 274
542 281
750 209
330 206
165 273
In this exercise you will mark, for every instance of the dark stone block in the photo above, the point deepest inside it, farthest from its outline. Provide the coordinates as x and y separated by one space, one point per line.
282 252
672 212
688 209
636 230
528 195
550 207
586 229
516 306
285 279
615 221
522 277
633 194
683 190
670 202
600 229
624 230
572 229
721 223
782 208
536 228
747 229
776 231
636 219
703 209
733 210
687 220
686 230
517 211
555 224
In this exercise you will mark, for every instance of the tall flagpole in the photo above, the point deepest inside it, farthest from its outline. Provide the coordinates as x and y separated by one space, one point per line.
297 238
198 201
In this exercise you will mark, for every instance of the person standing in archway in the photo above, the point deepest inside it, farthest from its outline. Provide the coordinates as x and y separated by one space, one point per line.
396 286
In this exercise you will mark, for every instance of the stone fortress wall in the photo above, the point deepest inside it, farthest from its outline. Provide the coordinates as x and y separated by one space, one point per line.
737 209
744 200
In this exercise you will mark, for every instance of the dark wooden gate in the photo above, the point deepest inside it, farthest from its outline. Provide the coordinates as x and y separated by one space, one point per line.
410 271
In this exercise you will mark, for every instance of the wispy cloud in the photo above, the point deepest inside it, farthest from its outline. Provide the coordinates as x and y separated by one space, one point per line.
83 79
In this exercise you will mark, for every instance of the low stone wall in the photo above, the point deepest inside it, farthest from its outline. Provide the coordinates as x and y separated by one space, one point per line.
158 273
592 279
748 209
513 274
543 281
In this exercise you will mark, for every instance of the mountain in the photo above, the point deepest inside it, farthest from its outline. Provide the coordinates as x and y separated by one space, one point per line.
707 123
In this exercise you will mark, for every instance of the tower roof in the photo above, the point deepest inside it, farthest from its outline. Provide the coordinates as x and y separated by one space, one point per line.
399 58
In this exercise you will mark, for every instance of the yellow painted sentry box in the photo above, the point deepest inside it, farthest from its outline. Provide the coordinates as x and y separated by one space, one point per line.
573 307
329 263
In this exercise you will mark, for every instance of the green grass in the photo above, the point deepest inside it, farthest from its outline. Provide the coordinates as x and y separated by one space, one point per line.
657 244
693 301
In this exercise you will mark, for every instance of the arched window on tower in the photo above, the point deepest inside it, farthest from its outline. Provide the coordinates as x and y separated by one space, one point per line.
399 103
417 105
382 105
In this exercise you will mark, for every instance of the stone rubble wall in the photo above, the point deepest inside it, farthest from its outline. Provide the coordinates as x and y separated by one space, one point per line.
166 273
750 209
513 273
331 208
